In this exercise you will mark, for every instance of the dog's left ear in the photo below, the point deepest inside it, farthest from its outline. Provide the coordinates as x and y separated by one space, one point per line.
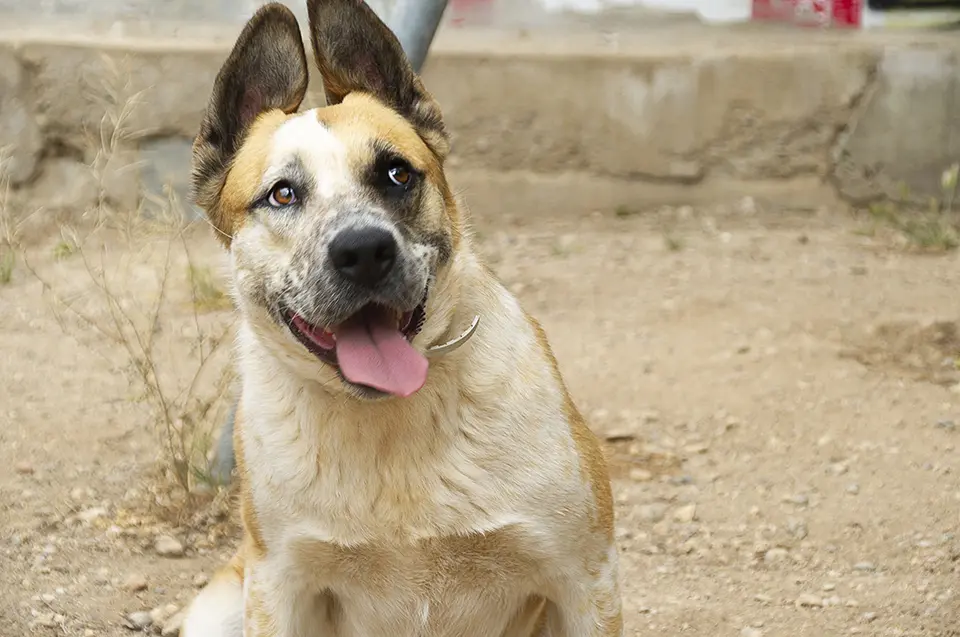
356 51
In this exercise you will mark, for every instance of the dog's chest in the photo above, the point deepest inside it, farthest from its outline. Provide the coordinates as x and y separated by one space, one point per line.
470 585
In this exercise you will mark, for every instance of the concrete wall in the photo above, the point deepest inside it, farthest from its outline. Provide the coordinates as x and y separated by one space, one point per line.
207 10
563 125
489 13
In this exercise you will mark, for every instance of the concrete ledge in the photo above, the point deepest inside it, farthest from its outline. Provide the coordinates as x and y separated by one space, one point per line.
858 114
521 196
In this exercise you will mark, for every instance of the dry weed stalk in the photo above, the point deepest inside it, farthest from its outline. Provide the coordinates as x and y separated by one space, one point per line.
130 309
7 257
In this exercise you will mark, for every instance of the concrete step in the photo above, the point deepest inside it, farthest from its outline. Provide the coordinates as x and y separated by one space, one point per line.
852 115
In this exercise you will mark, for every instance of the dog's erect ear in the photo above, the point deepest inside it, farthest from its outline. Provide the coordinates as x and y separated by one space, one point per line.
266 70
356 51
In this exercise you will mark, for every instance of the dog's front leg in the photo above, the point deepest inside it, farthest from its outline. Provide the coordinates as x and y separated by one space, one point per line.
586 601
276 604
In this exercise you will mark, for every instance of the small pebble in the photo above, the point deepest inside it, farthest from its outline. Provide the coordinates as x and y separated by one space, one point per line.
839 468
685 514
200 580
866 618
139 620
865 567
750 632
135 583
619 436
167 546
162 613
808 600
23 468
776 556
853 489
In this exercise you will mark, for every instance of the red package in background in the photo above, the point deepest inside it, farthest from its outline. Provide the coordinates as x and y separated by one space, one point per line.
848 13
820 13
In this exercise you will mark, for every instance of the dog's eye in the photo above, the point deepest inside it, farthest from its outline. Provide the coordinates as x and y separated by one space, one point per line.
282 195
400 175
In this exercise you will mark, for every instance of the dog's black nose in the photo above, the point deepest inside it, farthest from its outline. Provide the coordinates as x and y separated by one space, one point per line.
364 256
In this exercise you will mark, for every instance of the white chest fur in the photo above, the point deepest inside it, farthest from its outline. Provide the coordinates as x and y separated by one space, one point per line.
474 585
433 516
392 533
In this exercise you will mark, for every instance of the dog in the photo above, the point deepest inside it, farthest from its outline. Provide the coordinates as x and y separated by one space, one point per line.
409 461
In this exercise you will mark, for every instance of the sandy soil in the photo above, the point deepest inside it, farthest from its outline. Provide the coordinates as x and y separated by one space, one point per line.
778 392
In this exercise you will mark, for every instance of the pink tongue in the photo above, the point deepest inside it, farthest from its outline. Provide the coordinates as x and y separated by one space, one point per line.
372 352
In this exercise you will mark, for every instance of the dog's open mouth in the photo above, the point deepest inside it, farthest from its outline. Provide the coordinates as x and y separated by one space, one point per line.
371 348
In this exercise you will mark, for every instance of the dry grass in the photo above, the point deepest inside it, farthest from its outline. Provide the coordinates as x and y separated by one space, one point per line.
207 294
8 262
8 259
184 397
934 228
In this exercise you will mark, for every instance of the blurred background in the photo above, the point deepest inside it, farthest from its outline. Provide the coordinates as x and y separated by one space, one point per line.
736 220
489 13
497 13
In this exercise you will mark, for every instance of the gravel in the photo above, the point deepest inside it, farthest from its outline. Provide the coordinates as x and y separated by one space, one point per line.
809 600
139 620
167 546
134 583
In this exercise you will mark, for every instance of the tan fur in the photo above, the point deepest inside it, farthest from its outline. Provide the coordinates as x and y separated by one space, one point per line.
593 460
244 175
478 507
361 118
248 516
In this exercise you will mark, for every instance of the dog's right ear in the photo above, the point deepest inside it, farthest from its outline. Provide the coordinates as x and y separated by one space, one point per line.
266 70
356 52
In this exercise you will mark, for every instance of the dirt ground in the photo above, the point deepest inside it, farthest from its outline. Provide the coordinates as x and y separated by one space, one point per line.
778 391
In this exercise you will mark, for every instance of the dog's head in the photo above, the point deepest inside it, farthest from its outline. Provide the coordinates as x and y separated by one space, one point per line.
339 220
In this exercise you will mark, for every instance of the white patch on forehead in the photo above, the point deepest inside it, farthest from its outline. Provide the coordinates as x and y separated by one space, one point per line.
321 153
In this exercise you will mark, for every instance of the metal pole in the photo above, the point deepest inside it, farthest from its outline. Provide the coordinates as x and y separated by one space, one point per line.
415 22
